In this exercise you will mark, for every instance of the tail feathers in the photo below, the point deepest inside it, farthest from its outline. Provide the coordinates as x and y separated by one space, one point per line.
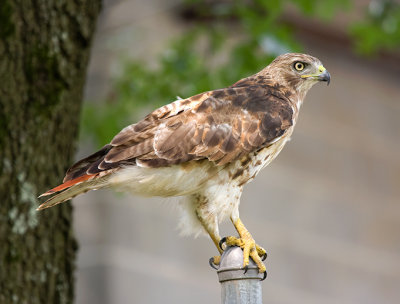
69 184
72 191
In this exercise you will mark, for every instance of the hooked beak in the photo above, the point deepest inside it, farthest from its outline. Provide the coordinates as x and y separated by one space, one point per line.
324 76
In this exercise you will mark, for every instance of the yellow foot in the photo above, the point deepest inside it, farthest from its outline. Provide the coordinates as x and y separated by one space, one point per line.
250 249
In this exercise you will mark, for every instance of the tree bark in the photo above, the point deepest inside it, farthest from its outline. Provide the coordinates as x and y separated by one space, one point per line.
44 50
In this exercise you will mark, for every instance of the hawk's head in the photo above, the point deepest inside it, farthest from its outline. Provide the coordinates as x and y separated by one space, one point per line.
297 71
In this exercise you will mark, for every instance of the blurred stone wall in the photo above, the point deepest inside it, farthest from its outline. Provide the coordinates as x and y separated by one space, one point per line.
327 209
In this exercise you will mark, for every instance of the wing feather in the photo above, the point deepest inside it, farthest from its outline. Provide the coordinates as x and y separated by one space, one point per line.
221 125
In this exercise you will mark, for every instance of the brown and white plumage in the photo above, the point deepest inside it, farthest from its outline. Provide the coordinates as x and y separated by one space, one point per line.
206 147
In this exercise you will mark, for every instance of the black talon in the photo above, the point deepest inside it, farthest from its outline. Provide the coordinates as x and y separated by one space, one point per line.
223 240
264 257
211 262
265 276
246 268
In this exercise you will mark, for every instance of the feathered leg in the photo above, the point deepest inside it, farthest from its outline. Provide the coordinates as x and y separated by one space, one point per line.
211 228
210 224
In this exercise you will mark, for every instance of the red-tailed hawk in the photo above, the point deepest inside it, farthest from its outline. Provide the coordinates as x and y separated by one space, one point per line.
205 148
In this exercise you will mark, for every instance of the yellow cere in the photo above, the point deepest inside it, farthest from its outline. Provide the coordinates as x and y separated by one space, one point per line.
321 69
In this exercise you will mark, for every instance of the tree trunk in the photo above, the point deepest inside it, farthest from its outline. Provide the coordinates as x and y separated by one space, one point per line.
44 50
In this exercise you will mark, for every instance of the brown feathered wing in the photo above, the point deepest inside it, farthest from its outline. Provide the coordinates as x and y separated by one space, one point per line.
221 126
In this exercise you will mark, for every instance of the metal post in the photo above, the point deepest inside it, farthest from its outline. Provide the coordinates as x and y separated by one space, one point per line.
238 287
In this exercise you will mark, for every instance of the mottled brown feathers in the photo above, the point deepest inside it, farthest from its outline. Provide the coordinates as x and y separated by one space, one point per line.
221 125
81 167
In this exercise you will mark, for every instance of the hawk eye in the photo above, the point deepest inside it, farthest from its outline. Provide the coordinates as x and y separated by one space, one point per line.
299 66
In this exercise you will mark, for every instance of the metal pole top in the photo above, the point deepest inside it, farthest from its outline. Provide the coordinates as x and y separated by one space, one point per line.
238 286
231 266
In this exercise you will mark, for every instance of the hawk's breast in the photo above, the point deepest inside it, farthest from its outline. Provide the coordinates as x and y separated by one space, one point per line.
246 169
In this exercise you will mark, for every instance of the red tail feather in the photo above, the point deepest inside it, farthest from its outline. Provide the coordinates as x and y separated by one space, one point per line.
69 183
